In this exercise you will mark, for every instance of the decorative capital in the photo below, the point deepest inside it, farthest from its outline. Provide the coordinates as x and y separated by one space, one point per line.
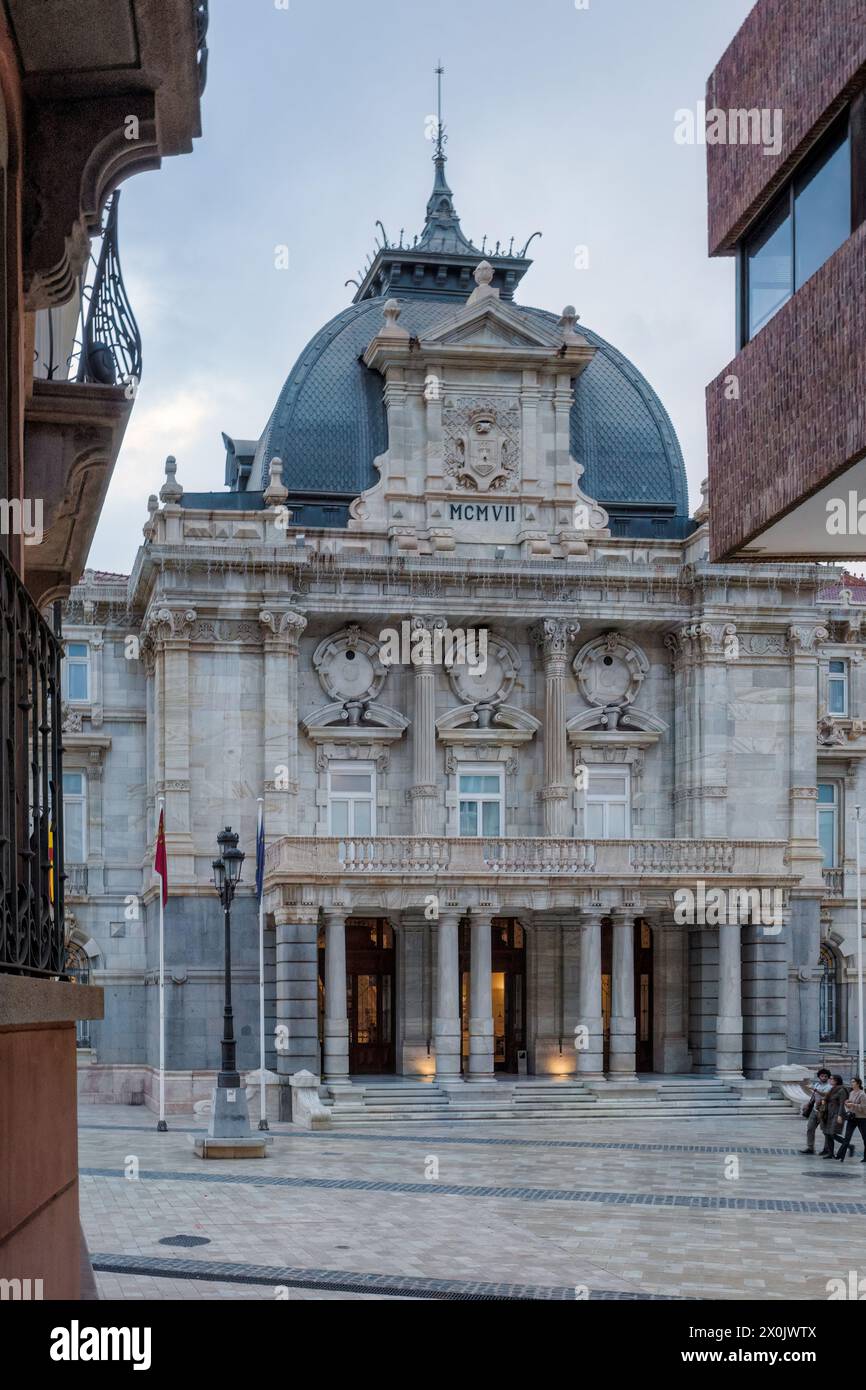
554 636
806 639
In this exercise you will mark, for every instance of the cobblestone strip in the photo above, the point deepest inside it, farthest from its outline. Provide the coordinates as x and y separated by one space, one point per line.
524 1194
349 1281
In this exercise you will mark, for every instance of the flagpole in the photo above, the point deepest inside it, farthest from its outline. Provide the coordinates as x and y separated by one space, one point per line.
263 1105
162 1126
859 951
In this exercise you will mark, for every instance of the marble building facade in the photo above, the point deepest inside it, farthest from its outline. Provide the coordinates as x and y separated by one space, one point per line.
478 868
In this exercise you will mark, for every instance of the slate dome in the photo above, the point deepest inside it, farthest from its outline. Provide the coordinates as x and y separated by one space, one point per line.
329 422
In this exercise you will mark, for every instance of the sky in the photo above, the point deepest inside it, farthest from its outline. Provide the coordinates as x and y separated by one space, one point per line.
560 116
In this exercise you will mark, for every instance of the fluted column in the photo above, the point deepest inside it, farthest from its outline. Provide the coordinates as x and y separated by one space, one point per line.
446 1021
622 1018
590 1058
481 999
729 1016
554 636
424 793
336 1015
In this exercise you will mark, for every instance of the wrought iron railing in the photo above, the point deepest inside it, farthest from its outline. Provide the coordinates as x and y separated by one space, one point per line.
111 343
31 801
200 9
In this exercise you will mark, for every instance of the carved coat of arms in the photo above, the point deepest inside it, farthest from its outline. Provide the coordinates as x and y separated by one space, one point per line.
482 444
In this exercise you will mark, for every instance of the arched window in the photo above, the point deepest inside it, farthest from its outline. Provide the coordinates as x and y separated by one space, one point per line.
828 997
77 967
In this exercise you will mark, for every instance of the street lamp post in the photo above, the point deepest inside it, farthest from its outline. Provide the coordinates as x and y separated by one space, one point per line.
226 877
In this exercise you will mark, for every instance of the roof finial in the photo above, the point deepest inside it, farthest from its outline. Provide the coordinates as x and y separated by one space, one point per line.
440 136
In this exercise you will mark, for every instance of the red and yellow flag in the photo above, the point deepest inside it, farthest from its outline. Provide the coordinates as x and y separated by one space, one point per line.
160 860
51 864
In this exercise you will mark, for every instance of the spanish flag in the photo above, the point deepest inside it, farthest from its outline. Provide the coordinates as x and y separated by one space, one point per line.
160 860
51 864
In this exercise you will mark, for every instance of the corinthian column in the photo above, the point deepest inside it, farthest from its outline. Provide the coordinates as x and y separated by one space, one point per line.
481 998
590 1058
424 792
446 1023
553 636
622 1019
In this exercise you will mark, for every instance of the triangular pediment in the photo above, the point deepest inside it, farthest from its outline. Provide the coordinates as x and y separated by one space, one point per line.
490 323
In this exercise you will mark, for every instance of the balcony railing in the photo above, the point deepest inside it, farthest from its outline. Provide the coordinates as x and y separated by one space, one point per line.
300 857
31 830
834 883
76 880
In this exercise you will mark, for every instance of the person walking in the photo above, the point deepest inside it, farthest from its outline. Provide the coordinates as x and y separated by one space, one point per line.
832 1107
811 1111
855 1117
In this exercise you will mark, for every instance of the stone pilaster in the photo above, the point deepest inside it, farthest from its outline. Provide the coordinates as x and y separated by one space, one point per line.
282 632
590 1059
169 629
424 793
622 1018
554 637
805 856
336 1060
765 998
446 1021
481 999
296 992
729 1016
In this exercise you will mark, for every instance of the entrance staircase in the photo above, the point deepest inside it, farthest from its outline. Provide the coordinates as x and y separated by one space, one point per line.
378 1101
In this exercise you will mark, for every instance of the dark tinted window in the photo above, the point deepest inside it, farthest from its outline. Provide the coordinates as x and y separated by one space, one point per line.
822 210
770 256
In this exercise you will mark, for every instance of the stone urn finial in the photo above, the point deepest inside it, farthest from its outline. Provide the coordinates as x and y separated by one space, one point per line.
392 329
567 322
171 490
484 289
275 493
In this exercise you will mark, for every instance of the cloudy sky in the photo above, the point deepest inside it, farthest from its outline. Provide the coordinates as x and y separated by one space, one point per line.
559 118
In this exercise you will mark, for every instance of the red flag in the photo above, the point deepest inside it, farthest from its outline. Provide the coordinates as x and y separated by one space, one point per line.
160 861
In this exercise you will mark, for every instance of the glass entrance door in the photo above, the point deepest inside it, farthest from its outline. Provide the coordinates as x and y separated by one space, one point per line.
370 980
507 986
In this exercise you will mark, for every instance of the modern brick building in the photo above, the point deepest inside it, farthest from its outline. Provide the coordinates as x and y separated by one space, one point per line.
787 416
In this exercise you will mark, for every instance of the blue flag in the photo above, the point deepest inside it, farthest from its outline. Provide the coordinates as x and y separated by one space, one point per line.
260 857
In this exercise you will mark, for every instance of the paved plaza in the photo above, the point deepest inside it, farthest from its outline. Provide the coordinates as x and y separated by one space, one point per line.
702 1209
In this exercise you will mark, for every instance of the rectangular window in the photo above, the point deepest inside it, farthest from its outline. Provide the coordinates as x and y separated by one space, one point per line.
837 688
351 799
828 823
808 222
481 802
76 672
608 804
74 823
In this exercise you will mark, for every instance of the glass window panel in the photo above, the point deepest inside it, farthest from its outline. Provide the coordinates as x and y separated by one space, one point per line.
358 782
827 793
469 818
822 211
616 821
363 818
594 820
78 649
339 817
76 681
838 667
836 695
472 782
387 1012
770 267
490 818
73 831
606 786
73 783
827 836
368 1031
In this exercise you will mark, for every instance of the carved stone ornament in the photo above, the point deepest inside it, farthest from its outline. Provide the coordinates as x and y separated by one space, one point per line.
348 665
829 734
610 671
482 444
489 681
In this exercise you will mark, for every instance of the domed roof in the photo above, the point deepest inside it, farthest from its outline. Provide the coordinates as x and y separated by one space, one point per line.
329 423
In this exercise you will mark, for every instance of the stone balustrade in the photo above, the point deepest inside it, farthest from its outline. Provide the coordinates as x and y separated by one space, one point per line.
300 857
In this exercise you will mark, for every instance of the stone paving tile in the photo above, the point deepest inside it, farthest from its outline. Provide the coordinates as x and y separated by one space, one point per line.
672 1250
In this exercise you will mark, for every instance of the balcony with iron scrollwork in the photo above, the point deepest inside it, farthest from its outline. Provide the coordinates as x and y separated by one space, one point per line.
84 387
31 830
